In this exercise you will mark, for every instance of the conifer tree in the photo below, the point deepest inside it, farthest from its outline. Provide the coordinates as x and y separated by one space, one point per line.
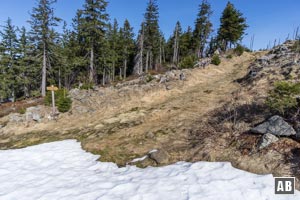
93 21
186 43
232 27
126 34
139 58
8 61
177 35
42 22
114 47
152 34
203 28
26 64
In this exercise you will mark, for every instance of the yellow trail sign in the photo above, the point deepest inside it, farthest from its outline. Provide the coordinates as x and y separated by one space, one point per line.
52 88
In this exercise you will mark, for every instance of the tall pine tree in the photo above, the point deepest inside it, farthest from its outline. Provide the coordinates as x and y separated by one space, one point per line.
93 21
42 21
151 35
232 27
127 52
203 28
8 62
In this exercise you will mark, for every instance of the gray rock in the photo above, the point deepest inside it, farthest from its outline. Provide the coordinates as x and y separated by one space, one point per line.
33 114
163 79
276 126
36 117
266 140
160 156
16 118
150 135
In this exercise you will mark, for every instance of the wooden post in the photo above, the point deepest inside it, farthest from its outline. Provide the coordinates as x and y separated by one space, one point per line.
52 89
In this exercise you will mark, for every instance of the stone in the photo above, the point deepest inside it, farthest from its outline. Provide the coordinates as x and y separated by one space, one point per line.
150 135
163 79
99 126
182 76
266 140
33 113
36 117
160 156
276 126
16 118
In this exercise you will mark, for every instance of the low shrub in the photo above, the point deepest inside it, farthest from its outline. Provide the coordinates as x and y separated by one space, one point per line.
239 50
216 60
229 56
284 97
187 62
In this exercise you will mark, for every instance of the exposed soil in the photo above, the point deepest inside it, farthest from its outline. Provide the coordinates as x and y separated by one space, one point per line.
205 117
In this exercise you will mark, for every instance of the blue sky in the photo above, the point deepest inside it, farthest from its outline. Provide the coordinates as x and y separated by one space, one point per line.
268 19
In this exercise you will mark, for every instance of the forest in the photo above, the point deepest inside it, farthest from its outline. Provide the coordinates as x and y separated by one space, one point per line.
99 50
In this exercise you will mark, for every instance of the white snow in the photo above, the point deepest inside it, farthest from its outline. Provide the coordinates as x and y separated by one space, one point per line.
63 171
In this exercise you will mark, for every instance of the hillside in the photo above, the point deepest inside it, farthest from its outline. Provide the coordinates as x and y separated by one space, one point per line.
206 117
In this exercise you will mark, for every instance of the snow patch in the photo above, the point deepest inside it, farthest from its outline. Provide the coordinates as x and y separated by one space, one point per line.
62 170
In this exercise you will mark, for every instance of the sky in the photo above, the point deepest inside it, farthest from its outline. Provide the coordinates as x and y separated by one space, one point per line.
267 19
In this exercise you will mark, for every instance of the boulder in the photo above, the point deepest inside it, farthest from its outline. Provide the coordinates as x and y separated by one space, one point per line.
266 140
276 126
16 118
33 113
159 156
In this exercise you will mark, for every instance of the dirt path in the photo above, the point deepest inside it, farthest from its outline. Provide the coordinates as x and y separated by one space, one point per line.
130 125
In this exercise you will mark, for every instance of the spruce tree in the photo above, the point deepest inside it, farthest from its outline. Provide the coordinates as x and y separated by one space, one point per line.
139 57
114 48
26 64
232 27
93 21
186 43
151 34
127 41
203 28
42 21
9 78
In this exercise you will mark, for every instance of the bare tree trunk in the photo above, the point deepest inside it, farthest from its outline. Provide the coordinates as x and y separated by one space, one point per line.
120 74
113 71
103 79
59 77
147 61
150 60
160 52
125 69
92 73
176 47
44 72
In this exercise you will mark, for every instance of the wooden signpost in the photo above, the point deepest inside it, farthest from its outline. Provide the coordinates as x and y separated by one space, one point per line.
52 89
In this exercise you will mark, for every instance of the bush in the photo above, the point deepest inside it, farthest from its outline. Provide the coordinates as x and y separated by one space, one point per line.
187 62
64 104
284 97
22 111
239 50
216 59
149 78
62 101
229 56
87 86
296 46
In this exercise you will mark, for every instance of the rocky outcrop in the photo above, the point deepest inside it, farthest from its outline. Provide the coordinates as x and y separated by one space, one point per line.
266 140
276 126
